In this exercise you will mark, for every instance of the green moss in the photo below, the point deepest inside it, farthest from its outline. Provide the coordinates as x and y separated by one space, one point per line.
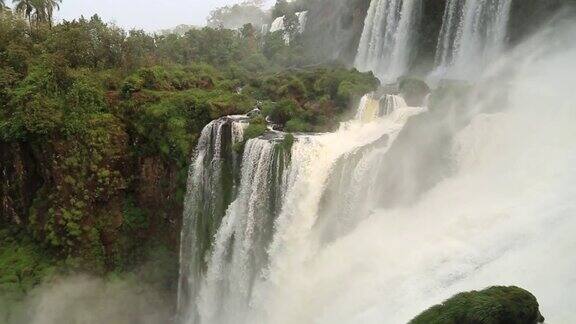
298 125
495 305
254 130
135 219
23 265
288 142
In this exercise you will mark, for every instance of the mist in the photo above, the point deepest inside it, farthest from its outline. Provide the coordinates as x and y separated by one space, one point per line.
90 300
501 216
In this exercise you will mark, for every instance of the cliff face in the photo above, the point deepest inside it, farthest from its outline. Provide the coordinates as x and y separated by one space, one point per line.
90 198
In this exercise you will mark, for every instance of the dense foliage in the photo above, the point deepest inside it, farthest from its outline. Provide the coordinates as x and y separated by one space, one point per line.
495 305
97 126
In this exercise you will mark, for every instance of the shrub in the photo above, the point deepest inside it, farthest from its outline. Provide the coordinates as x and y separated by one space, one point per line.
495 305
297 125
254 130
282 112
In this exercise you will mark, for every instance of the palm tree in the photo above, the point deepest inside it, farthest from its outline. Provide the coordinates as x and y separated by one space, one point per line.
25 7
50 5
40 11
2 6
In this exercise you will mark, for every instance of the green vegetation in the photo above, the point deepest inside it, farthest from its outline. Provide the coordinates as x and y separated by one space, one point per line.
495 305
311 100
97 126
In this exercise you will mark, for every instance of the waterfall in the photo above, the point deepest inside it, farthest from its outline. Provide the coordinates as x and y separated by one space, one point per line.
386 42
240 244
302 20
211 184
221 264
398 209
372 108
278 24
228 219
473 34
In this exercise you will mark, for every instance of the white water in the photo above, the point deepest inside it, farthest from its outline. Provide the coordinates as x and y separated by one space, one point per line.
473 35
278 24
239 255
202 201
239 246
372 108
503 216
386 43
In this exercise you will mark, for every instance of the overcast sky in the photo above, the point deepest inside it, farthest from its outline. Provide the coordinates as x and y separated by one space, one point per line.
150 15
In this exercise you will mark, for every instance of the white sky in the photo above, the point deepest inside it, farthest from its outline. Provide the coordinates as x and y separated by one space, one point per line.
150 15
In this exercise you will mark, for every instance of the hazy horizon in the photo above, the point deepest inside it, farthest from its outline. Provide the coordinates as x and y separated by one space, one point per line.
150 15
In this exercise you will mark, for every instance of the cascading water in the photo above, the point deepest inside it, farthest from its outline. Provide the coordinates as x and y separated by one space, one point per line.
386 43
402 207
473 34
212 181
372 108
236 256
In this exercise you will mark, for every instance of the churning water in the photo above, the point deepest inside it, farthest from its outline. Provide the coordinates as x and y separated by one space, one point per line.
396 211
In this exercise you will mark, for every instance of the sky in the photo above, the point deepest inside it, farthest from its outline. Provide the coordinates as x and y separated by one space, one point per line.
150 15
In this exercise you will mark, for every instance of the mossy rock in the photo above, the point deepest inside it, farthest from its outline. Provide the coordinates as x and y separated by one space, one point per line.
495 305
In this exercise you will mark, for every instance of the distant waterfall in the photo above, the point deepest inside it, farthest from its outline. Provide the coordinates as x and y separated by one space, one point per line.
387 39
473 34
279 25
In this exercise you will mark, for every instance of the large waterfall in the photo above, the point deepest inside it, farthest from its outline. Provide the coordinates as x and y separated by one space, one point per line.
387 39
225 252
473 34
399 209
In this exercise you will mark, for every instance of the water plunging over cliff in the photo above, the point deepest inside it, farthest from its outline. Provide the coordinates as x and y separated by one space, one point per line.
225 252
387 39
400 208
473 35
212 183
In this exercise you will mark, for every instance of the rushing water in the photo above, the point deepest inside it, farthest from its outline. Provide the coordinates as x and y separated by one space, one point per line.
387 39
225 254
473 34
212 184
398 209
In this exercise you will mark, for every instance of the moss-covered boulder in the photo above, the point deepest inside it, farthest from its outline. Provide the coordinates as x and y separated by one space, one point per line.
414 91
495 305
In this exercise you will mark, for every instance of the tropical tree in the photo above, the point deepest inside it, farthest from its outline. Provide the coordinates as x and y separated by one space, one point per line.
24 7
40 11
49 6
